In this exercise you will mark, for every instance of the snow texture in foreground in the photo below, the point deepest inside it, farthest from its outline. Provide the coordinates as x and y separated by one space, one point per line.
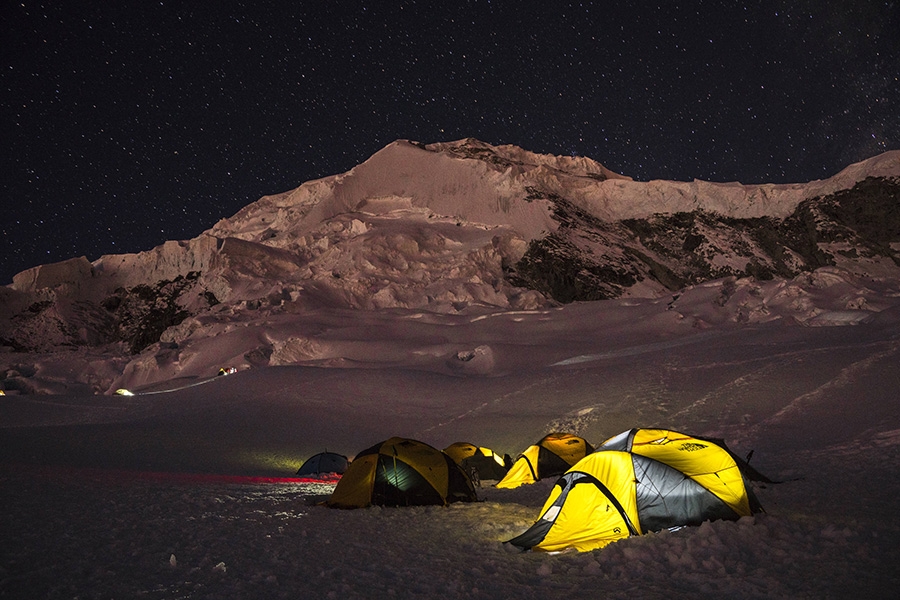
75 534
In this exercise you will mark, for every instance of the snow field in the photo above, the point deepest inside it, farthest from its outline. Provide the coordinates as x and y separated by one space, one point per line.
74 533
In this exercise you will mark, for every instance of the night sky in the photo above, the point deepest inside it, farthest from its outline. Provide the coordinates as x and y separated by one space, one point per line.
128 123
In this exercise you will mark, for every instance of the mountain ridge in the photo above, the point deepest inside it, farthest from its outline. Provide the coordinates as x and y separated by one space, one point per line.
465 228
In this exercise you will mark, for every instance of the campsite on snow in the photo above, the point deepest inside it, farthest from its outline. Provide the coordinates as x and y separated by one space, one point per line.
458 296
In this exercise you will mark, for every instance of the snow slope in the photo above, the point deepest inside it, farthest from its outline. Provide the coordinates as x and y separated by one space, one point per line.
111 496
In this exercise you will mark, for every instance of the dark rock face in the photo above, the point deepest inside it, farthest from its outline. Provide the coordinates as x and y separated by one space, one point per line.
143 312
577 262
867 216
587 259
556 267
136 317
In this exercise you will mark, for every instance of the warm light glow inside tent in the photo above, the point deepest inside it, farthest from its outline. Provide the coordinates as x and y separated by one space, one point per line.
550 457
401 472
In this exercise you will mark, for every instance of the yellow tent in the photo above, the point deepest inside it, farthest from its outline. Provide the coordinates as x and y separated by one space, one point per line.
401 472
643 480
550 457
484 462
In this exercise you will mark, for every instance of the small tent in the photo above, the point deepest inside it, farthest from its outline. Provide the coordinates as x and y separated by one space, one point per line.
550 457
323 465
401 472
641 481
484 462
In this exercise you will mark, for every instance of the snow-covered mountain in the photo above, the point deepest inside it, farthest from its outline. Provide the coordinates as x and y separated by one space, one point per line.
424 294
464 227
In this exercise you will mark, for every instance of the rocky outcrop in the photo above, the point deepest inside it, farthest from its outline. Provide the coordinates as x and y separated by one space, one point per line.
591 259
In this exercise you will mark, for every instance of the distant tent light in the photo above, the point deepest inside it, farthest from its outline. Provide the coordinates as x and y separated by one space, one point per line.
124 392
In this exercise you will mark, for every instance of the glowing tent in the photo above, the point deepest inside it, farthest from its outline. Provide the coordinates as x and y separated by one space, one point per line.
323 465
401 472
550 457
485 463
640 481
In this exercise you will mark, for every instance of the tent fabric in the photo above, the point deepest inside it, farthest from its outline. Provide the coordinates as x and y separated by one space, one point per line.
401 472
323 463
647 480
550 457
721 467
486 463
582 511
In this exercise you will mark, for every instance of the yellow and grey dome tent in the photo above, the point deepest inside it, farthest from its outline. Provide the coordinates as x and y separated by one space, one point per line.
401 472
486 463
640 481
550 457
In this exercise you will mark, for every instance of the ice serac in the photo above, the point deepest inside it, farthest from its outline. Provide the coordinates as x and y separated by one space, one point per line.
617 199
167 261
71 273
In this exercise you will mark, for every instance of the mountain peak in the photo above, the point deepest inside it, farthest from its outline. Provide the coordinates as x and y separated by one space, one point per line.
508 155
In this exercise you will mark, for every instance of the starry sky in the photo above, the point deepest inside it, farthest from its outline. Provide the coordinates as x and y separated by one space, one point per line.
124 124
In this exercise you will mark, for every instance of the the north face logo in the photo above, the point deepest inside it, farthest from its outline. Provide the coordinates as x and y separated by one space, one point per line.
691 446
